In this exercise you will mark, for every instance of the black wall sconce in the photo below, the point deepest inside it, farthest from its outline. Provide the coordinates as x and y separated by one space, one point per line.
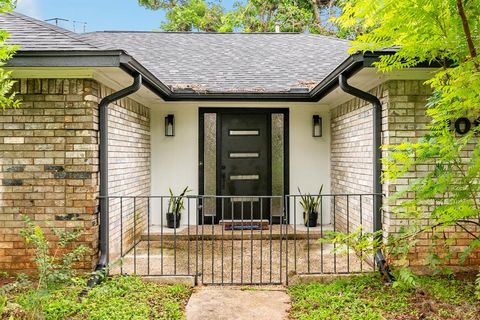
317 126
169 125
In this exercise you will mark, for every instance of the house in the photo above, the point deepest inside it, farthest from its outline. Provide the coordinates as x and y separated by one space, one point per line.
111 120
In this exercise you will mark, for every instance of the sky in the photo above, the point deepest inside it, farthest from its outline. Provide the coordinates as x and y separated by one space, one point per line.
99 15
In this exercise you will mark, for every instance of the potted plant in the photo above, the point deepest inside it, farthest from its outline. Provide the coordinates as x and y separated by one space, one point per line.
175 207
310 206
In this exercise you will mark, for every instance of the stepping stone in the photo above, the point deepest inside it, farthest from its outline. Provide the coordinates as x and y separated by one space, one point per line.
243 303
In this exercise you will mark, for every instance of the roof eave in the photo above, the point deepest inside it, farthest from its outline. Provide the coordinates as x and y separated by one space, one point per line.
348 67
89 58
119 58
241 96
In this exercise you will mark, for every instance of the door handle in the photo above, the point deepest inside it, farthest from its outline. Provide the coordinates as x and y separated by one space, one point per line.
222 182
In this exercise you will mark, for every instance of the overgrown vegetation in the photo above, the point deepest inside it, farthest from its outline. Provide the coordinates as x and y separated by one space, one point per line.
248 15
365 297
53 268
7 96
54 292
446 196
125 297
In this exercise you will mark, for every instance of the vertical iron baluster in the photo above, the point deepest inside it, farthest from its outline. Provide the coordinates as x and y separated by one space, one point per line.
223 232
198 203
281 247
188 235
134 235
213 249
261 236
271 225
361 234
108 240
241 244
232 207
161 235
321 234
251 241
148 236
175 239
334 229
203 246
308 241
295 234
286 239
121 235
348 231
373 228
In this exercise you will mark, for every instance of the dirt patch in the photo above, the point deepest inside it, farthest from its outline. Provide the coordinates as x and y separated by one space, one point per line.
237 262
427 307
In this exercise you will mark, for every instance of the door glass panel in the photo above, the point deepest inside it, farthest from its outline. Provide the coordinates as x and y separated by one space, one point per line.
210 163
244 132
245 199
278 161
244 154
245 177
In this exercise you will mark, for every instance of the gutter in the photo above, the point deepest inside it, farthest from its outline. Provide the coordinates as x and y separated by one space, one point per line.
120 59
90 58
104 215
377 165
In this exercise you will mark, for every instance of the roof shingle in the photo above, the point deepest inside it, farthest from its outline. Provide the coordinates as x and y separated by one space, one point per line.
231 62
32 34
209 62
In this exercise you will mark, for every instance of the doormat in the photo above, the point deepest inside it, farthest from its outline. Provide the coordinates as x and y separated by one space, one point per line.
247 227
245 224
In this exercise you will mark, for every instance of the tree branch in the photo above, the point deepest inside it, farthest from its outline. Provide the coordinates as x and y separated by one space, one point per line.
466 29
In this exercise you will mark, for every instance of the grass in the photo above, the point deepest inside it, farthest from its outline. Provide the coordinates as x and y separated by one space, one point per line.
365 297
126 297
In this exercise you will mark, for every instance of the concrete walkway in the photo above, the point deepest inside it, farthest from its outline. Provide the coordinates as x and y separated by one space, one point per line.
243 303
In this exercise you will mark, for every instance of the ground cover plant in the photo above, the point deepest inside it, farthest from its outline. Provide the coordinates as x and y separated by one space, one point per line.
123 297
366 297
57 292
439 206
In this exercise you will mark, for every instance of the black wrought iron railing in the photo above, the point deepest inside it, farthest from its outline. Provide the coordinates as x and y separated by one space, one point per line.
236 240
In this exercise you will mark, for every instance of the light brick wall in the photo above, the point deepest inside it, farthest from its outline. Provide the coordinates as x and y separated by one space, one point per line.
407 121
352 162
49 164
129 172
403 119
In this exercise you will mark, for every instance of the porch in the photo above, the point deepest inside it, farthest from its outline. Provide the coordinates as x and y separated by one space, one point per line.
245 251
242 220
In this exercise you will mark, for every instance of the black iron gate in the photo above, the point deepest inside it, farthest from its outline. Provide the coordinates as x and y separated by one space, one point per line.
235 251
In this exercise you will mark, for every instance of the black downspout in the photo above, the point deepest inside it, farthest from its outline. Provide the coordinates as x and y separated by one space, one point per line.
103 127
377 164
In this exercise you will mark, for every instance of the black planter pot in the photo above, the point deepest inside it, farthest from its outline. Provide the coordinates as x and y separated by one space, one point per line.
172 220
312 219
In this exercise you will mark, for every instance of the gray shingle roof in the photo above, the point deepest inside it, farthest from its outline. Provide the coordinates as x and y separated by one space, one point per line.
231 62
213 62
32 34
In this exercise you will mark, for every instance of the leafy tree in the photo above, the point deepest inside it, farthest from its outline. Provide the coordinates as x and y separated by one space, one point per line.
7 97
189 15
446 33
248 16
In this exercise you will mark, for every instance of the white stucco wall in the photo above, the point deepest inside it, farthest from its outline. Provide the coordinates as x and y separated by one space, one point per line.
174 160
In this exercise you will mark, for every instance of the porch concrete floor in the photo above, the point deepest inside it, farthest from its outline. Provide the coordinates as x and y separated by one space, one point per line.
254 261
218 232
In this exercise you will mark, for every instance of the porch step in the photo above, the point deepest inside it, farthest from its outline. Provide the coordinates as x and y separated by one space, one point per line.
255 224
217 232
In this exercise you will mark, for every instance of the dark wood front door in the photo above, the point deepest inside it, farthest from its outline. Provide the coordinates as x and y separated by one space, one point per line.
243 168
